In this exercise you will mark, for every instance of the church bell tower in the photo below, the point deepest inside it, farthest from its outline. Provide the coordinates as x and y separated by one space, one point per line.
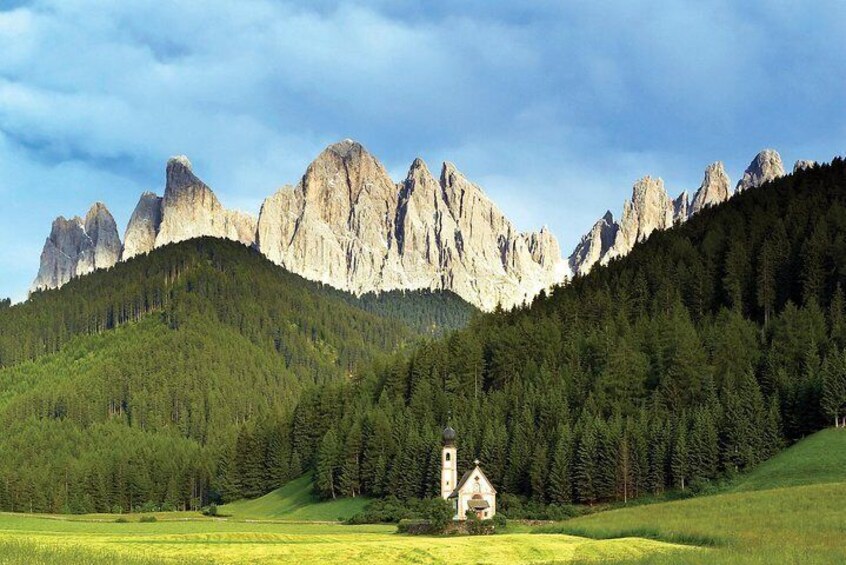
449 464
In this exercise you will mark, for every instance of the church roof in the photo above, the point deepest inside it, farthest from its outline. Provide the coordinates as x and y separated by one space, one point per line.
466 477
478 504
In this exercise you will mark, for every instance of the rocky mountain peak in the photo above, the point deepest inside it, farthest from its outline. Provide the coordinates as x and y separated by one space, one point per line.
345 148
714 188
766 166
190 209
803 164
179 173
101 228
143 227
649 209
593 246
76 247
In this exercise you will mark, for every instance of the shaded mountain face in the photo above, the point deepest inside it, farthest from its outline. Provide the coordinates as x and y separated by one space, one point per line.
349 225
76 247
650 209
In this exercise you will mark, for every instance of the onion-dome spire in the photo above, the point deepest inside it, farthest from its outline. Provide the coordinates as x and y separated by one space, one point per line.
449 436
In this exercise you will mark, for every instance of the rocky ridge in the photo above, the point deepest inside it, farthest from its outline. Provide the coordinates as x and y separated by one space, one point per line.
650 209
349 225
78 246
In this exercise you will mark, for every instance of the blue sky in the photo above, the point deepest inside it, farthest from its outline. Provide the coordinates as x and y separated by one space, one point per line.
555 108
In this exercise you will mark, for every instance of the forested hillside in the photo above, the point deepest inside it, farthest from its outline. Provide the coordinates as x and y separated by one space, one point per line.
697 356
161 380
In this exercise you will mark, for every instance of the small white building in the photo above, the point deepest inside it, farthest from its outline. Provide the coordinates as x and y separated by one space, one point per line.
473 493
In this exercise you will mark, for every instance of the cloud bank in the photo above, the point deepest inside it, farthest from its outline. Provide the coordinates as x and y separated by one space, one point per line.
554 108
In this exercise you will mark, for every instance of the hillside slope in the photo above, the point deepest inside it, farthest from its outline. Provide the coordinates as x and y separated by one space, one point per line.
697 356
785 523
295 501
171 379
817 459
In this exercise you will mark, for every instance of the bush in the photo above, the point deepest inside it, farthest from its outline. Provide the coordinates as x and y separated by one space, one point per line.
121 520
210 510
148 519
414 527
439 513
560 512
499 521
477 527
389 511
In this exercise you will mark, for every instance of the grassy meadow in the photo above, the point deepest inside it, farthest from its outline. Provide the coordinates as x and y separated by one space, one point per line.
32 539
295 501
790 510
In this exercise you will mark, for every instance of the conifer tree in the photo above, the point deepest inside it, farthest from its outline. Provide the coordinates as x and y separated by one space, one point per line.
326 473
560 486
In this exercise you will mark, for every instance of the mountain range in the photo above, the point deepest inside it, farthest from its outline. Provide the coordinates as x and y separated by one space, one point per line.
651 208
347 224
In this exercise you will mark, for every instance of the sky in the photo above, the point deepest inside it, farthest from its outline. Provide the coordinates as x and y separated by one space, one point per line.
554 108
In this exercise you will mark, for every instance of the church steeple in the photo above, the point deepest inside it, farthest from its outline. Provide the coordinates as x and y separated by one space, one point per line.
449 463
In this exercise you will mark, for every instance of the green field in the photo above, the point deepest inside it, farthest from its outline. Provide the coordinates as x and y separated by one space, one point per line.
31 539
295 501
790 510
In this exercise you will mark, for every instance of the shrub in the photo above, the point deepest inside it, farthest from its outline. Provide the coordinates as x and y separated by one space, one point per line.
121 520
388 511
477 527
414 527
559 512
500 521
147 519
210 510
439 513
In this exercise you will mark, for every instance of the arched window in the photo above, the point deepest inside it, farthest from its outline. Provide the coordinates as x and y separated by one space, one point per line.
447 456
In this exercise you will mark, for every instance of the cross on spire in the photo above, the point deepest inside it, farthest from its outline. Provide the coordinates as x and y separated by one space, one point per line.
476 462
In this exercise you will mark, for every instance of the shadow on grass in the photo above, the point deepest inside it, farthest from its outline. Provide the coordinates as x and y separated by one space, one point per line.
678 538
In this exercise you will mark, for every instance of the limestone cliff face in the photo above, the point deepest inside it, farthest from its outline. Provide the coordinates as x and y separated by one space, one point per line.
649 209
766 166
76 247
349 225
188 209
346 224
713 190
143 227
681 208
594 245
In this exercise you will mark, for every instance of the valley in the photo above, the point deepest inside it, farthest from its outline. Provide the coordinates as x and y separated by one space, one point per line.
771 514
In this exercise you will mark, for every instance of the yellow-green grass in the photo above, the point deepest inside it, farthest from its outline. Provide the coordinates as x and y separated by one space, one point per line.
788 524
295 501
36 539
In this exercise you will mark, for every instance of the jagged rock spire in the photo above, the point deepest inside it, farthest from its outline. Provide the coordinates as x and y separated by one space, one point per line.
76 247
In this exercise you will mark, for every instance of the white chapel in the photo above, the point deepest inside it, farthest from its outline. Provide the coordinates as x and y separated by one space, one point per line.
473 493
